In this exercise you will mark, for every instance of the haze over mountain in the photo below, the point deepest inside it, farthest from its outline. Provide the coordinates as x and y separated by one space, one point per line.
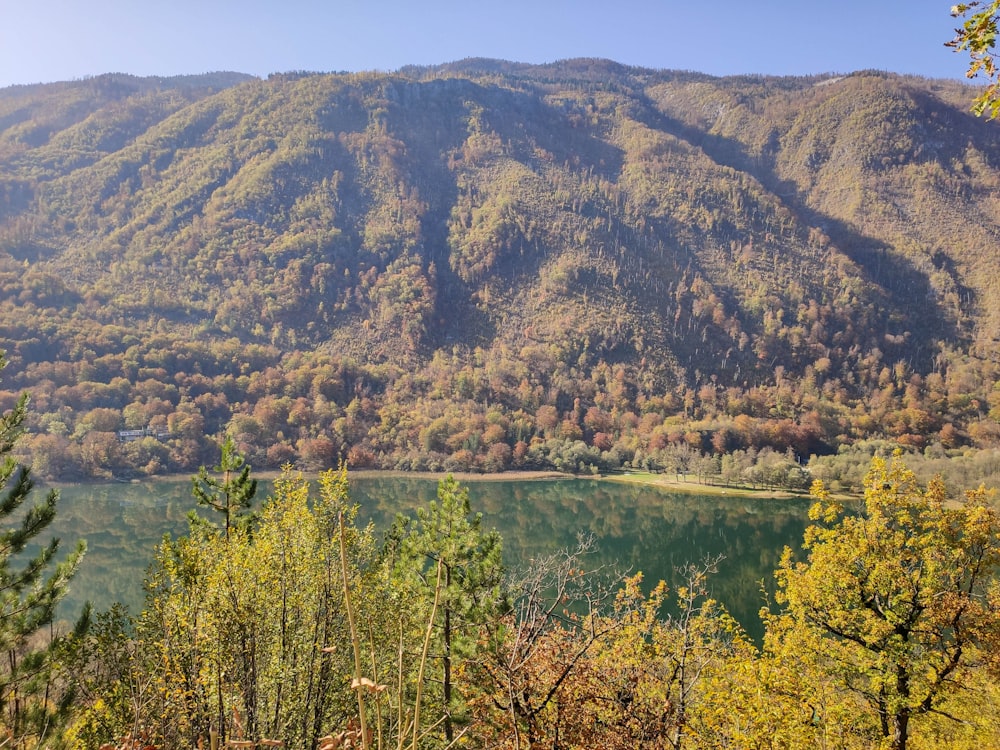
484 262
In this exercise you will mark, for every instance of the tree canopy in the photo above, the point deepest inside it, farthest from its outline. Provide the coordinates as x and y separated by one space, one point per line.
893 603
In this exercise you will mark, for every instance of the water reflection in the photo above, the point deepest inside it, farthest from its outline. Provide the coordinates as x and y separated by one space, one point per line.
639 527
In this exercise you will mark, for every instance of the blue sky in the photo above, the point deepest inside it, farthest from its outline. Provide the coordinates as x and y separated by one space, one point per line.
50 40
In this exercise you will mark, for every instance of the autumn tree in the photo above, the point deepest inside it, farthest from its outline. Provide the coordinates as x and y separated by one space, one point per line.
244 639
648 677
533 655
977 36
115 676
891 603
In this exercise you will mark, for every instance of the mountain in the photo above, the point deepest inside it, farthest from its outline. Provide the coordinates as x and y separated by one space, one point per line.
488 264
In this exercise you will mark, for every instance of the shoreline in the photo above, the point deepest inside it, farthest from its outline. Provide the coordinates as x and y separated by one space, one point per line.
662 481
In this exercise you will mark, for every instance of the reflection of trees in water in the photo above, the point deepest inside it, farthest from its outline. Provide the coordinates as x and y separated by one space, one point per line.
648 529
122 523
639 527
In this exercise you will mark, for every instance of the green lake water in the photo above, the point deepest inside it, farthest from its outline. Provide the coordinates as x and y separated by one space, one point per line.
637 527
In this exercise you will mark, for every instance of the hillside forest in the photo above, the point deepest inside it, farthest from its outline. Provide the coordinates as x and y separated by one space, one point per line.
486 266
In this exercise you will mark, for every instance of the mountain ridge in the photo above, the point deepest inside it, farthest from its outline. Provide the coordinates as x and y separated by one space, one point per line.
506 239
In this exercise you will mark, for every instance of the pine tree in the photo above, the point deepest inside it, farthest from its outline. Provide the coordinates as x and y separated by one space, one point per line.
449 535
31 586
232 494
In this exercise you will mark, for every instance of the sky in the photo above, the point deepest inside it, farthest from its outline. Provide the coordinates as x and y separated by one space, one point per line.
56 40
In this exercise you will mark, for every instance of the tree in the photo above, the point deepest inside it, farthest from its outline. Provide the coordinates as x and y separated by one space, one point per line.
28 595
243 641
977 36
647 689
893 603
232 494
447 536
533 652
115 675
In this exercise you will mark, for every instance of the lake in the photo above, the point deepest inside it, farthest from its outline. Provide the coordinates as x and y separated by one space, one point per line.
636 526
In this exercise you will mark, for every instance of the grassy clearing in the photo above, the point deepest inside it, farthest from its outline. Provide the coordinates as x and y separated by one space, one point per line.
670 481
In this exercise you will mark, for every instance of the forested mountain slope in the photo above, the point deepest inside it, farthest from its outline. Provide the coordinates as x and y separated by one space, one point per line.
486 264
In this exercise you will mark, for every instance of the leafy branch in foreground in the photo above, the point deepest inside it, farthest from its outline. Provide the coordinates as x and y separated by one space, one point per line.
978 36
